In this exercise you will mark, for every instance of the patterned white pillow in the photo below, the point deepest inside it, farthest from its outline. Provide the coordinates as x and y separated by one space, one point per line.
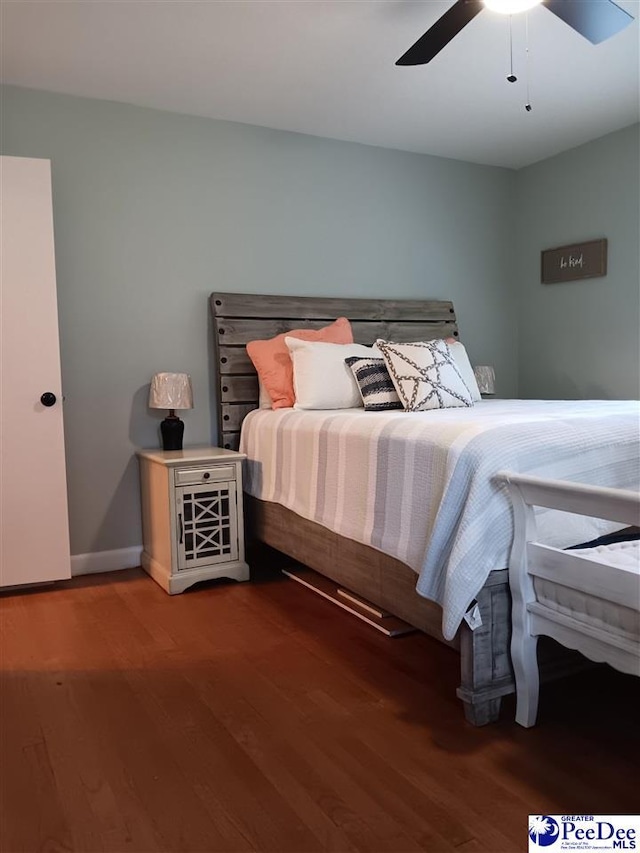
264 400
461 359
425 375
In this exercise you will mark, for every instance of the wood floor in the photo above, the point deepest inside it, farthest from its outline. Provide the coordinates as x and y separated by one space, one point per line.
240 717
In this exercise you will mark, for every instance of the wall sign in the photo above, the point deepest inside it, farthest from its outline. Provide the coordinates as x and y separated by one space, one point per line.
569 263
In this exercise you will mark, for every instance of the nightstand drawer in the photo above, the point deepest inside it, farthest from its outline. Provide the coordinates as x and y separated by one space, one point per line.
197 476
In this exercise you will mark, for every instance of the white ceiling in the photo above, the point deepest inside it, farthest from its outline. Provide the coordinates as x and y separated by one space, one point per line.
326 67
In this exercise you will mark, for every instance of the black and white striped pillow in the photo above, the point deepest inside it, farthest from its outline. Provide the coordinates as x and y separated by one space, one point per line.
376 386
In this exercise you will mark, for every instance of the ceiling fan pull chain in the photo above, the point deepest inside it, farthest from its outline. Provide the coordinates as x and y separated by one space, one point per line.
512 77
527 106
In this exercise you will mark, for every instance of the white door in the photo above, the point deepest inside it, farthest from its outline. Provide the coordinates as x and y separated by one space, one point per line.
34 530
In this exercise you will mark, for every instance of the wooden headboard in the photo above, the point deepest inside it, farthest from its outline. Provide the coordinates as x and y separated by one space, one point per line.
242 317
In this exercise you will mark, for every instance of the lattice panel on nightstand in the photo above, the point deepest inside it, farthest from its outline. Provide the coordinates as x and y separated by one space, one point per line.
207 524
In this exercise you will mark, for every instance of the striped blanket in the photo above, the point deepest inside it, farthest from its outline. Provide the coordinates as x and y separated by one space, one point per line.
421 487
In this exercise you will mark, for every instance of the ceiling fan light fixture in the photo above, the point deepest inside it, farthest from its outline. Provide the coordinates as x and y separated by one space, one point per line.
596 20
510 7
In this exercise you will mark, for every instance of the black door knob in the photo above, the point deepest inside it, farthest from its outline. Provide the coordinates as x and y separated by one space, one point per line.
48 399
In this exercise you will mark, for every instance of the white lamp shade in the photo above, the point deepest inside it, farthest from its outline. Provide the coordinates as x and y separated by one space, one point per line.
486 378
171 391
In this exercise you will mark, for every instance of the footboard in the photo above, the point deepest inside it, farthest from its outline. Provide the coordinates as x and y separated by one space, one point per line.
485 654
485 663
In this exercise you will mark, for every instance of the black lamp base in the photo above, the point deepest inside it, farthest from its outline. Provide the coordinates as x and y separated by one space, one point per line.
172 429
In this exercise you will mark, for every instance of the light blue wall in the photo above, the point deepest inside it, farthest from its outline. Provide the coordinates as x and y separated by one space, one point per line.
581 339
154 210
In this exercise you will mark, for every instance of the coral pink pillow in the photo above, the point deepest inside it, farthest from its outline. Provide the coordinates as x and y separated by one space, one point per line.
272 360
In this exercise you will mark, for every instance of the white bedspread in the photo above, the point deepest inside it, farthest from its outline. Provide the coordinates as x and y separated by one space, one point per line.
421 486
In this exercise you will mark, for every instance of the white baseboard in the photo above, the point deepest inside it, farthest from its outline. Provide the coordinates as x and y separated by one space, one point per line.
105 561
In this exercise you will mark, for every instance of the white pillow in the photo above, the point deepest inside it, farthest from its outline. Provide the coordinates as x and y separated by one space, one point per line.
426 375
461 359
264 398
321 379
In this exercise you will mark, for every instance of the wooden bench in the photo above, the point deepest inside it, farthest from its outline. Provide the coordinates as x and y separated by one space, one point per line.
589 601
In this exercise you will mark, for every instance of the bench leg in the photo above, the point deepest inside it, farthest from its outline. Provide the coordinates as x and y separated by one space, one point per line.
525 666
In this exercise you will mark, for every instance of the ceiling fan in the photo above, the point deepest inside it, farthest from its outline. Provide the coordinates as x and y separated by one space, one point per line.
596 20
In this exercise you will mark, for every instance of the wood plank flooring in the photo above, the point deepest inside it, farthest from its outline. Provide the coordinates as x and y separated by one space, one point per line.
257 717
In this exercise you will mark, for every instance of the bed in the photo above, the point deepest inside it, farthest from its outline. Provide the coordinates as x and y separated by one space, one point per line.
382 578
586 598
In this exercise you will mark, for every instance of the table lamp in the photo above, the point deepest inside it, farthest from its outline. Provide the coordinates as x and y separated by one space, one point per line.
486 379
171 391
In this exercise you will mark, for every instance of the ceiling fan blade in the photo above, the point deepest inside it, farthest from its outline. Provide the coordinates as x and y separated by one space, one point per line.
441 33
596 20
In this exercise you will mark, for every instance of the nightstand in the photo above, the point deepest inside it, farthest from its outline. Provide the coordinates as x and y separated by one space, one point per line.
192 519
